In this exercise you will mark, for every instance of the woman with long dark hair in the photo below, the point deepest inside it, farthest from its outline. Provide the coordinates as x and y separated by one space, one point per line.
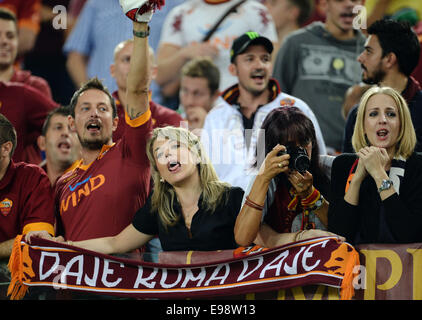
287 200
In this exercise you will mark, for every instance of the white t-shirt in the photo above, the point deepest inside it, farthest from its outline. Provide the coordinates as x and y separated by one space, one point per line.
191 21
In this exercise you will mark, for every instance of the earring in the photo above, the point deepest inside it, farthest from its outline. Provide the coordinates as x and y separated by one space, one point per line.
161 180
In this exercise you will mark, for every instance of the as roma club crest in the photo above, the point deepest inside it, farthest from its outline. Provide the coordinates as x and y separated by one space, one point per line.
287 102
5 206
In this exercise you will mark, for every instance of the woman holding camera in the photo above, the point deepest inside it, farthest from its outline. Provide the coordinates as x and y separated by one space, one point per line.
287 200
377 192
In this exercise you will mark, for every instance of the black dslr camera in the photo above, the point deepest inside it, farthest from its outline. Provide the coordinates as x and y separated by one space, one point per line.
299 159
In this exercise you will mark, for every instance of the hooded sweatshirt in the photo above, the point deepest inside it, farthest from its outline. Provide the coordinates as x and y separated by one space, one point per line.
318 68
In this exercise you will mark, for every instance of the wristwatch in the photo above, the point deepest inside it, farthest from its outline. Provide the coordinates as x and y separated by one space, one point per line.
317 204
385 185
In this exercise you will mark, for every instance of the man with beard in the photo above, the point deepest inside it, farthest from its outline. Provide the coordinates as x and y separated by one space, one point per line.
391 54
59 143
317 63
231 128
100 196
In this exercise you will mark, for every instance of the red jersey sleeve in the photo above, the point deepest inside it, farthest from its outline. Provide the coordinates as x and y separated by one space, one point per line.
37 107
38 211
136 135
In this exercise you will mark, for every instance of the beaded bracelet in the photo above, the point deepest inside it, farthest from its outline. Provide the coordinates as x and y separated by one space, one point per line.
310 200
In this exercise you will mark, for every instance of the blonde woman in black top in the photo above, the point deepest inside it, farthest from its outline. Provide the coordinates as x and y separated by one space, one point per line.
377 192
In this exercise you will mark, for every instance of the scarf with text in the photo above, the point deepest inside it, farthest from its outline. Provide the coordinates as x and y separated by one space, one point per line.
323 261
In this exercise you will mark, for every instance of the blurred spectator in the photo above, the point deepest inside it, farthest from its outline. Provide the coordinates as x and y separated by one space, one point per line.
318 13
417 73
46 59
198 91
28 15
9 45
75 8
318 64
90 45
161 116
288 16
26 108
409 10
185 29
156 24
99 28
60 144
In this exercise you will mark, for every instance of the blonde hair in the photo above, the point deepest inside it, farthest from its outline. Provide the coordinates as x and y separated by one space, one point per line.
164 195
406 141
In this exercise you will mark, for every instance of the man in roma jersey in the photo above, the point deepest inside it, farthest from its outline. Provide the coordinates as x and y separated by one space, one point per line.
100 195
26 197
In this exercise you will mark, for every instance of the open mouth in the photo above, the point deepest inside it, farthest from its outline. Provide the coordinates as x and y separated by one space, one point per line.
382 133
64 146
347 16
173 166
258 77
93 127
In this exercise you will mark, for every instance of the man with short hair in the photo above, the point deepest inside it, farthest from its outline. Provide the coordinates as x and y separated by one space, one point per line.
26 198
231 128
199 91
28 16
59 143
9 41
23 108
317 63
288 16
100 196
391 54
161 116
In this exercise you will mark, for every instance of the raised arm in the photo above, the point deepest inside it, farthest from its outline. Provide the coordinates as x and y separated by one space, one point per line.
248 221
138 80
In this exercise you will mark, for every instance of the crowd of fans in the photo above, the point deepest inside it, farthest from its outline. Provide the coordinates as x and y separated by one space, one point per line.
209 124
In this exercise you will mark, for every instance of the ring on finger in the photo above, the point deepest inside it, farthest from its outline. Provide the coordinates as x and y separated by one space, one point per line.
280 165
300 185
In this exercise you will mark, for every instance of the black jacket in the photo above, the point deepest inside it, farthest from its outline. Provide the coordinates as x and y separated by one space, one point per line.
397 219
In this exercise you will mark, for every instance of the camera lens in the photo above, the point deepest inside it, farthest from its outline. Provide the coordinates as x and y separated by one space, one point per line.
302 163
